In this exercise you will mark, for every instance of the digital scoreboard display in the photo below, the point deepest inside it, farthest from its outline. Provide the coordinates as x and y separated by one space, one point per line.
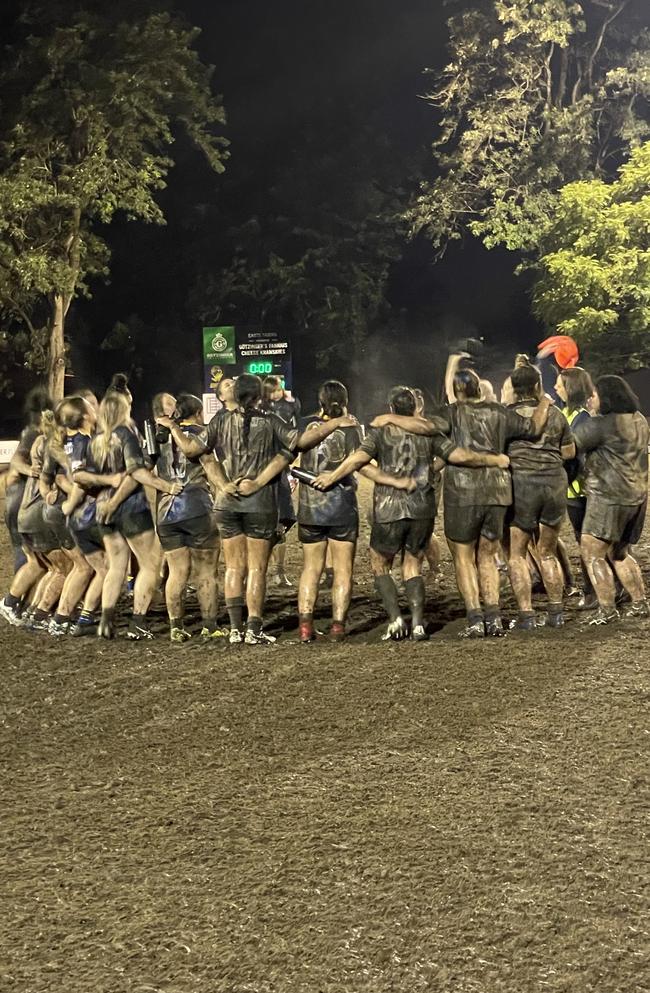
230 350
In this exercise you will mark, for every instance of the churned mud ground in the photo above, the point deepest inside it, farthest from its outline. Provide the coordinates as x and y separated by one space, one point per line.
326 819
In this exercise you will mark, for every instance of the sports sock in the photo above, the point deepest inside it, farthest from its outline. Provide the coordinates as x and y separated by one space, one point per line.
385 586
235 608
414 589
492 611
211 623
12 601
474 616
61 619
176 622
255 625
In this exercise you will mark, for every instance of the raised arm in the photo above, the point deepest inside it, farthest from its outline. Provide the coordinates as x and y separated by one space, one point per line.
189 445
453 362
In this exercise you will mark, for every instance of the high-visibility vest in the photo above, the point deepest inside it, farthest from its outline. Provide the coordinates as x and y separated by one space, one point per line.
575 488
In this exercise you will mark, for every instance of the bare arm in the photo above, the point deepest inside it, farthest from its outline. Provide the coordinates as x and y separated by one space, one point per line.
314 435
188 444
146 478
414 425
22 466
354 461
73 500
216 476
246 487
540 415
453 362
91 480
381 478
465 456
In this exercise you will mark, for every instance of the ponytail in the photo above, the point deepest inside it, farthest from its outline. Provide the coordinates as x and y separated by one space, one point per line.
113 413
333 398
248 392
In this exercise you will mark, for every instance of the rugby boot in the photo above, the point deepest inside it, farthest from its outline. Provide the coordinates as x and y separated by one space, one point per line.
419 633
235 637
337 631
494 627
525 621
397 630
178 636
555 619
639 608
139 630
258 638
604 615
306 632
83 628
214 634
9 613
281 581
588 601
58 628
105 629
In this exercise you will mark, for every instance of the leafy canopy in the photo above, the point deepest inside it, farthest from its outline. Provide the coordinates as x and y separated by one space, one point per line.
594 271
537 93
92 97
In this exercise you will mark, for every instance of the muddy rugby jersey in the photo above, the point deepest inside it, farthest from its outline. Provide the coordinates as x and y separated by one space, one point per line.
125 455
15 490
269 436
30 514
616 447
482 427
540 456
195 499
403 454
337 505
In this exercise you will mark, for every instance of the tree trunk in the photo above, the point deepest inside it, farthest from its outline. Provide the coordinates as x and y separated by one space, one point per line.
56 360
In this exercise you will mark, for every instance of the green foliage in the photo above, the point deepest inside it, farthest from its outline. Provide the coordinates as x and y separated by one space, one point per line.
537 93
93 96
594 270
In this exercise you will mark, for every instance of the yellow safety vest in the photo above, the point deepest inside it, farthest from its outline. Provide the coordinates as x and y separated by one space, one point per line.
575 488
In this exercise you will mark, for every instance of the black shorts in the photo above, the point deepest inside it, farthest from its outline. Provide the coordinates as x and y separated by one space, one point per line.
195 532
465 525
262 525
55 521
42 541
537 501
89 540
310 534
128 524
405 535
619 526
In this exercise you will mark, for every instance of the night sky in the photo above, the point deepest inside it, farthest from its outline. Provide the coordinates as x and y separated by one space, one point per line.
292 72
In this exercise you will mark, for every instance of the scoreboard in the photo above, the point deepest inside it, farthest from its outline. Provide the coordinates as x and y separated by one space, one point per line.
229 350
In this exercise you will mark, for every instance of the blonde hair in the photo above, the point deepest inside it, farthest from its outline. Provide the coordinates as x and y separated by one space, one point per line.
114 411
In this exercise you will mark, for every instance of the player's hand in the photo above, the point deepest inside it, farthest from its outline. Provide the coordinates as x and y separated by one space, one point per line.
165 422
348 421
104 511
408 484
503 461
116 479
34 472
67 508
323 481
246 487
230 489
51 497
175 488
381 420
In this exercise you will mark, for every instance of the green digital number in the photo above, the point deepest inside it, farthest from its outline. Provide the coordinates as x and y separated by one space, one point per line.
260 368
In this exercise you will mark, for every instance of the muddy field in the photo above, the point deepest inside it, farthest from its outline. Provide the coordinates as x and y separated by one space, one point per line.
327 819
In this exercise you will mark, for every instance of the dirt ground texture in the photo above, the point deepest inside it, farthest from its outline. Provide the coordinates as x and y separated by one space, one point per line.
449 817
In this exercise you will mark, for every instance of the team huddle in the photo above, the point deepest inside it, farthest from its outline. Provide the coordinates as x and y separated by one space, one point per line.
89 500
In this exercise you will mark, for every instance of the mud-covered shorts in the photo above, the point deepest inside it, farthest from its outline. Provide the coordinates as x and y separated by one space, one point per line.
89 540
129 524
261 525
309 534
404 535
34 532
619 526
195 532
465 525
54 519
537 501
